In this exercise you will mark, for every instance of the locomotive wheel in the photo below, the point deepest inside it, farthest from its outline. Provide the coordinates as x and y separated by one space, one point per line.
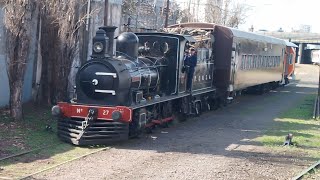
197 109
135 134
179 117
215 104
164 125
286 80
223 102
208 107
148 130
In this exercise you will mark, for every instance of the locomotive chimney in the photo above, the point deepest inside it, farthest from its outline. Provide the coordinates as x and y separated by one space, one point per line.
110 34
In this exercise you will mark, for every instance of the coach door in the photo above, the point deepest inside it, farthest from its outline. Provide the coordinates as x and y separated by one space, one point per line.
233 66
286 60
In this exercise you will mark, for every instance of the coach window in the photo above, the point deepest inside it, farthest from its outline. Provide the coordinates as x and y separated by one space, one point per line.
252 62
290 58
242 58
255 61
273 61
249 62
243 62
266 61
199 55
260 61
269 61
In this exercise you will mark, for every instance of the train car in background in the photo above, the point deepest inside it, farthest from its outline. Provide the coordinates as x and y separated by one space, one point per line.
289 60
242 60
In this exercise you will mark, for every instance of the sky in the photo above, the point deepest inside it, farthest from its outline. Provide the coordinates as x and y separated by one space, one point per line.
274 14
286 14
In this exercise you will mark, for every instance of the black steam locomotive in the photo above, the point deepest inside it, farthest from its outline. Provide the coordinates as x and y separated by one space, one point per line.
143 84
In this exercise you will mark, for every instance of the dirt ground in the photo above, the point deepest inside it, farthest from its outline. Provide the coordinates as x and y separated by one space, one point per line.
217 145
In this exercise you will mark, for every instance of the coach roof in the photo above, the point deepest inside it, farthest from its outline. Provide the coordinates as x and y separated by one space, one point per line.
232 32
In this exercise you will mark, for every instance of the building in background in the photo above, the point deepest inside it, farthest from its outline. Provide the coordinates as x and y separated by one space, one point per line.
303 28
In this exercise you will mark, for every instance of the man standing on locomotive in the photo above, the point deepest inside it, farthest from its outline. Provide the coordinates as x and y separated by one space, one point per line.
191 61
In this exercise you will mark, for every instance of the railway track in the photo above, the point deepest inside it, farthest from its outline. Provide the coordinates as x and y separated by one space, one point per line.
46 169
306 171
26 152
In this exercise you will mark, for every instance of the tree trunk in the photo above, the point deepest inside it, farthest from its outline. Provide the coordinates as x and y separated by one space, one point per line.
16 100
18 24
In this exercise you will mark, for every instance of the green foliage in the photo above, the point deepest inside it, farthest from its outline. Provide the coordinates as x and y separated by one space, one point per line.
32 135
298 121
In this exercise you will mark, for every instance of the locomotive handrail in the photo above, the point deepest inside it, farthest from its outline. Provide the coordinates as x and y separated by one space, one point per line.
122 53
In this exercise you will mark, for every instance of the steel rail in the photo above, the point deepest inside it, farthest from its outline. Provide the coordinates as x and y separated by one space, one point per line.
46 169
304 172
315 107
27 152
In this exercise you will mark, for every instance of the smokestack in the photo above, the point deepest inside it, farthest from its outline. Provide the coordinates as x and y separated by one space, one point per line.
110 34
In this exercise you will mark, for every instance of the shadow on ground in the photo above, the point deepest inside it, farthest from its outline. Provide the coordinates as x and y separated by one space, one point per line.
231 131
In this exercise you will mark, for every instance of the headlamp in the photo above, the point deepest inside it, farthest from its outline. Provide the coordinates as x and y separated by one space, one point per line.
98 47
56 111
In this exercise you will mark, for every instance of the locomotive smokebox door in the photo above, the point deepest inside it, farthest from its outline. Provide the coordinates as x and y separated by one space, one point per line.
100 44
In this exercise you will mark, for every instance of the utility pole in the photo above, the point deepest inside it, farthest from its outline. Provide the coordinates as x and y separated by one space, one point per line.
106 12
137 17
167 14
189 12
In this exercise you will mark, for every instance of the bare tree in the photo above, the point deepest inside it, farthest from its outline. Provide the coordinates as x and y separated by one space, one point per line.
129 7
237 15
18 23
228 13
184 16
214 12
61 22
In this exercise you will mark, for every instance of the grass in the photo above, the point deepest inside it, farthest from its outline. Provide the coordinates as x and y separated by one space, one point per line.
17 137
298 121
30 133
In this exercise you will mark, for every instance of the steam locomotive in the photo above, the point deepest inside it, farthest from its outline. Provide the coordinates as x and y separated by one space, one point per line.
143 83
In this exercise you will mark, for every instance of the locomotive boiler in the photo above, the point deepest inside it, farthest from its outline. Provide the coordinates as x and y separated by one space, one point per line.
119 80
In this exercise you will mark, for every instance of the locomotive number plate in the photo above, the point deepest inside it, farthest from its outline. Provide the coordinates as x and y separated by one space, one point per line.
104 113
